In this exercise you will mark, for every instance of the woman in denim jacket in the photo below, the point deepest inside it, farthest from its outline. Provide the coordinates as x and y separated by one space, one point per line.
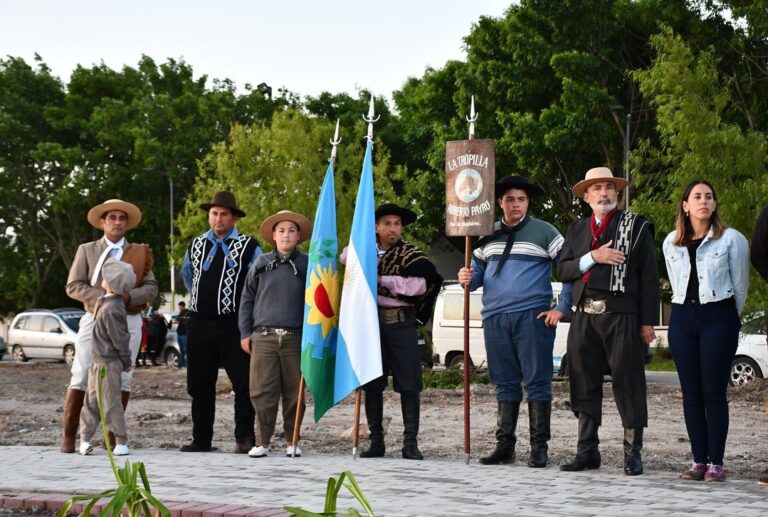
708 267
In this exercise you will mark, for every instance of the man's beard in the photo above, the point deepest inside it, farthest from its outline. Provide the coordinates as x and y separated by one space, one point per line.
603 207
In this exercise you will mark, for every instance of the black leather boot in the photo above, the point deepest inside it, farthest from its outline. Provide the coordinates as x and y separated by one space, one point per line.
633 444
374 413
539 412
587 453
410 404
505 434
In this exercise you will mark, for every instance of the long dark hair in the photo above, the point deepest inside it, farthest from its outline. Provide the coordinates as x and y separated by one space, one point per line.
684 230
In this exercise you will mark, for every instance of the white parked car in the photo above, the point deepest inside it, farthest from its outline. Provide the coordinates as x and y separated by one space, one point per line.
751 361
44 334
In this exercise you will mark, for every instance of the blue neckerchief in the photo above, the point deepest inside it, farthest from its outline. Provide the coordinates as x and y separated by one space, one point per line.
233 234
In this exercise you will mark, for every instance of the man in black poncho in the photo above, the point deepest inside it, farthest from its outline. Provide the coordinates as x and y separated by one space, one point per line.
408 284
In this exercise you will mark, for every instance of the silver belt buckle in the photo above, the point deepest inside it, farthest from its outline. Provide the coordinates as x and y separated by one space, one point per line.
594 306
281 332
263 331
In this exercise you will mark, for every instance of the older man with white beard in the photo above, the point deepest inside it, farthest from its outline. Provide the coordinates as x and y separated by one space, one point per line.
609 256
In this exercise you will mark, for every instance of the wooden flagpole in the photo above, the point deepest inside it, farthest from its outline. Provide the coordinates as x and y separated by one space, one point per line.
371 118
356 425
299 413
467 263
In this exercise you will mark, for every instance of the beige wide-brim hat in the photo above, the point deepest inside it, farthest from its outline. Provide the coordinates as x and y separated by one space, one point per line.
131 211
267 227
597 175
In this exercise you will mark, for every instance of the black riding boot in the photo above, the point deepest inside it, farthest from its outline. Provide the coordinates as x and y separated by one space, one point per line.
587 453
374 413
506 423
539 412
409 402
633 444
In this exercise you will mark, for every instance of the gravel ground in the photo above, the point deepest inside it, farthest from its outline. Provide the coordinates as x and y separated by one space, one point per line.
159 417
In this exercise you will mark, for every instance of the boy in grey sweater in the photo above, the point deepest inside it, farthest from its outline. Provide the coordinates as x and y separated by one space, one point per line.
270 320
110 350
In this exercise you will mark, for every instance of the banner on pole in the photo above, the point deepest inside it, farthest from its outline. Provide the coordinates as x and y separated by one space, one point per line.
470 177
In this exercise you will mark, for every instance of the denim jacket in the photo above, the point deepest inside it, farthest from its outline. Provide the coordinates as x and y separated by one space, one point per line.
722 265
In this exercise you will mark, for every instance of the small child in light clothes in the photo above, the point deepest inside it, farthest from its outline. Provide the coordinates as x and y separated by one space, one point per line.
110 349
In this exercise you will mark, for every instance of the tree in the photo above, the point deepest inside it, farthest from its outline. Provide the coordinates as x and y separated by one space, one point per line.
544 77
695 142
109 134
281 167
33 221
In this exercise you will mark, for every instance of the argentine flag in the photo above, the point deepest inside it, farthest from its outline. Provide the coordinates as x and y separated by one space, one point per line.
358 351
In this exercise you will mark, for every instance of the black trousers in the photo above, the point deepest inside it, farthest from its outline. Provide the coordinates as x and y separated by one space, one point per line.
400 357
213 343
612 339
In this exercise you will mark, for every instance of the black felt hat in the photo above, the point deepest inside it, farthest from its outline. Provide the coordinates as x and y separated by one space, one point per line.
224 199
519 182
406 216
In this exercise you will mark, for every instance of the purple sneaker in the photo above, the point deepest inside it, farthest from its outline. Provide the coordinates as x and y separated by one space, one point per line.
695 473
715 473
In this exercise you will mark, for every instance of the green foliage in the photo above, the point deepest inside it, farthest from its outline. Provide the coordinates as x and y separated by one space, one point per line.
451 378
281 166
696 142
128 497
106 134
331 498
661 360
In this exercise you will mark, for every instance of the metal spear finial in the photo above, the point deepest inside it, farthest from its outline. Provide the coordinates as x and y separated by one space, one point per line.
335 141
371 118
472 117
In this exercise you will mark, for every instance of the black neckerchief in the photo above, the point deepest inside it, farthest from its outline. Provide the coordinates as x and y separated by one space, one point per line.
510 231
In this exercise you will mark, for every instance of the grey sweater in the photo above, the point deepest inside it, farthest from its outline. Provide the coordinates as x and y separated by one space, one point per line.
110 339
273 295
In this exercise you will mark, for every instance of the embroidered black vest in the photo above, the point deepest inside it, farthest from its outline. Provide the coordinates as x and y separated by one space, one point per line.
216 292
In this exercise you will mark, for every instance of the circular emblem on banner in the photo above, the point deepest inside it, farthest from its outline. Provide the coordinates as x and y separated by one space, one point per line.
469 185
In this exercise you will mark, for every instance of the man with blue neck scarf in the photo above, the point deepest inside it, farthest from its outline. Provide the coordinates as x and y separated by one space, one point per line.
214 271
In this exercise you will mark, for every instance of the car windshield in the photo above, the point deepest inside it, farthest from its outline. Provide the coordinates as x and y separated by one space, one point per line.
72 320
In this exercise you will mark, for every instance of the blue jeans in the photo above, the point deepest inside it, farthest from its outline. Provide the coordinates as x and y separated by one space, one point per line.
182 339
519 349
703 340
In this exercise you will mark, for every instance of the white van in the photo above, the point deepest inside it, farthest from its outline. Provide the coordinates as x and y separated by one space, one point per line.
448 329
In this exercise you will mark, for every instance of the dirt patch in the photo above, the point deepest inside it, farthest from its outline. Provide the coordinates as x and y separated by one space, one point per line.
159 417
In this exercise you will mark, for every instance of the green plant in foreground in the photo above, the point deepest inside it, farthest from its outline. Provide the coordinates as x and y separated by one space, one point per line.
331 496
129 496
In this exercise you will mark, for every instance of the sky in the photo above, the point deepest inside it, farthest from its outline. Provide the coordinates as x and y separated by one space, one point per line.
303 45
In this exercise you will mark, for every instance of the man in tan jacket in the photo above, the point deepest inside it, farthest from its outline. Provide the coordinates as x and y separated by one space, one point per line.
114 217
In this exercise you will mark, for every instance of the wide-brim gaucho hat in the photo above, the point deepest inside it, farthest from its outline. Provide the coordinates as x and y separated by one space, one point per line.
406 216
131 211
225 199
268 226
597 175
518 182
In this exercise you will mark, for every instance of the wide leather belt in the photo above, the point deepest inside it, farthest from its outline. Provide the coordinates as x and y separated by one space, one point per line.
590 306
390 316
276 331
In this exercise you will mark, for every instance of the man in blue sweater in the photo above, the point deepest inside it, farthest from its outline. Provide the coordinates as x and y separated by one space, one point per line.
514 267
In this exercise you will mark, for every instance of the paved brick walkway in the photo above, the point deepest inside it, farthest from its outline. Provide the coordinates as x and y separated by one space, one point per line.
215 484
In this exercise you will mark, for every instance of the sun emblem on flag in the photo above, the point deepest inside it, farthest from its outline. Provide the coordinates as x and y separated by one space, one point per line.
322 296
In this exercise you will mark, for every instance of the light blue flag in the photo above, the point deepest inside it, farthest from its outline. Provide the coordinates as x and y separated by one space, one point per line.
358 351
321 307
